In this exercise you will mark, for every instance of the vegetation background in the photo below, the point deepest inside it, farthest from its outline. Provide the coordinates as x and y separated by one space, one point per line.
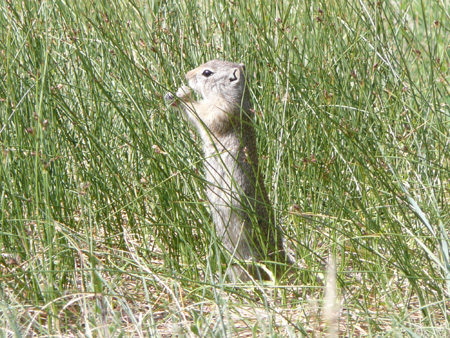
104 228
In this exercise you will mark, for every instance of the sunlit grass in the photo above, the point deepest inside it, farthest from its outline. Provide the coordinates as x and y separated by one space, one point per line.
104 226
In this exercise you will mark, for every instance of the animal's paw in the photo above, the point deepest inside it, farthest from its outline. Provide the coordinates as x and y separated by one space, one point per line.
183 92
169 98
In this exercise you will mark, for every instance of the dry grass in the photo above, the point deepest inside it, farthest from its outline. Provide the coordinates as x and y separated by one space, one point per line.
144 299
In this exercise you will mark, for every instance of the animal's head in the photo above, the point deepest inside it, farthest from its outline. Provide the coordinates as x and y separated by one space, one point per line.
219 79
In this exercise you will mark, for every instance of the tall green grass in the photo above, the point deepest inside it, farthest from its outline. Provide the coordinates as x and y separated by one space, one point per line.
104 228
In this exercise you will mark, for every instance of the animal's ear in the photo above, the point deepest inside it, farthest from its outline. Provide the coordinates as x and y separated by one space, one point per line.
235 74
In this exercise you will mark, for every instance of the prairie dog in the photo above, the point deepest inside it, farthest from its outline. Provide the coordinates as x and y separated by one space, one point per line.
239 204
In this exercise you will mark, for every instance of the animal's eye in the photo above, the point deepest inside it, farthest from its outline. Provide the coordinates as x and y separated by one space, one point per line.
207 73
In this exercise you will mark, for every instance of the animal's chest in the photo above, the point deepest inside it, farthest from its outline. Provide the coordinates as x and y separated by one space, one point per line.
223 170
226 175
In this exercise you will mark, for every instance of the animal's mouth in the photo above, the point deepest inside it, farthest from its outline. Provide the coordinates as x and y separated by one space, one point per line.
197 92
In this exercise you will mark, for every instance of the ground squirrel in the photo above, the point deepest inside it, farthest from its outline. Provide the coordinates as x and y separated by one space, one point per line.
240 206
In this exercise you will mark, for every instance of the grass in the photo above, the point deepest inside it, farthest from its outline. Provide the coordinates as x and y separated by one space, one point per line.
104 228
